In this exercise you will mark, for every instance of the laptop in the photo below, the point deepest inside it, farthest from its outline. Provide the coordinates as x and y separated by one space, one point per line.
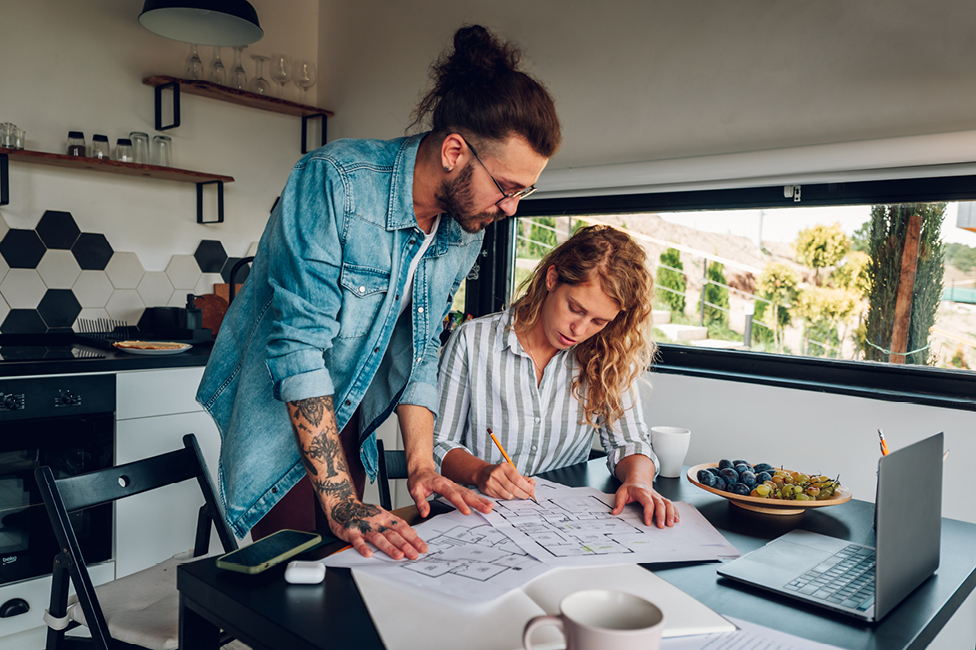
863 581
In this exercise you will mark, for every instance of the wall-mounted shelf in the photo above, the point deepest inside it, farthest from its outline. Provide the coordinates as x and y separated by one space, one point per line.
115 167
233 96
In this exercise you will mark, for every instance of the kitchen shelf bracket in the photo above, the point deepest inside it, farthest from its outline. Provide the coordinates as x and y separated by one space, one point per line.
220 201
4 180
305 119
175 85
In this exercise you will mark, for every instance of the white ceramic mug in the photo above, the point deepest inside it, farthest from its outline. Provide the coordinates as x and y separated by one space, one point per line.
602 619
671 446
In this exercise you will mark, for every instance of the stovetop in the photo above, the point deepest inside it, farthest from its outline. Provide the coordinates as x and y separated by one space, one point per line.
47 347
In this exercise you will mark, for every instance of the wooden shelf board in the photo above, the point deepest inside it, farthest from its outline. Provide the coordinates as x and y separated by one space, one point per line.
112 166
234 96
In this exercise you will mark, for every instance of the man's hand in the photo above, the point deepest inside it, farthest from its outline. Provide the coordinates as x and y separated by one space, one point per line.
426 482
656 507
357 523
503 481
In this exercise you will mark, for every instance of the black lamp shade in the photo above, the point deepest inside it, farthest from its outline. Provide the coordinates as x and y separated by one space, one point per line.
203 22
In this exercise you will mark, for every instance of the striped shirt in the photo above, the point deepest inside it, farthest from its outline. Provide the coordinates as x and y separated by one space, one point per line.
487 380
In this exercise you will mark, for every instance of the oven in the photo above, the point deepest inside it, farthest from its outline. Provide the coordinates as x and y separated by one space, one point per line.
68 423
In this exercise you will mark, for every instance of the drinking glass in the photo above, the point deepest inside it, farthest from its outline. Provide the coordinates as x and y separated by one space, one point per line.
259 84
7 135
218 73
194 65
162 150
304 73
140 147
281 72
238 78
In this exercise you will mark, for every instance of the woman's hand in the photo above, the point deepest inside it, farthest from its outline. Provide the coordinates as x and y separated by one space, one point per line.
656 507
423 484
503 481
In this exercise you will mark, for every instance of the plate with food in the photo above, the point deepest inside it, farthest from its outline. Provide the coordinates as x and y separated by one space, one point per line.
764 488
152 348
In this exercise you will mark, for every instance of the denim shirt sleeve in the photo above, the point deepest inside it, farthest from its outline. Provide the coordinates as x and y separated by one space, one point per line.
306 252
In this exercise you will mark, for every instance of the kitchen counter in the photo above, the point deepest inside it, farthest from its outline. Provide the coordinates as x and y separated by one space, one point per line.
113 361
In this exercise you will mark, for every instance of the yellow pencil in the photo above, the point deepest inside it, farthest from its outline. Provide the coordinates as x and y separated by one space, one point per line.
505 454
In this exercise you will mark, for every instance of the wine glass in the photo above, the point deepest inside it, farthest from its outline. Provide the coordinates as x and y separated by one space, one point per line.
218 73
194 66
304 73
259 84
238 77
281 71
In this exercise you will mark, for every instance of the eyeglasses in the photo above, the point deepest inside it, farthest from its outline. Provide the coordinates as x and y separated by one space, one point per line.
517 194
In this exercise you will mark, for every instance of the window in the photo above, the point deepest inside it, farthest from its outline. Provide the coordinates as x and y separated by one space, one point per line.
748 285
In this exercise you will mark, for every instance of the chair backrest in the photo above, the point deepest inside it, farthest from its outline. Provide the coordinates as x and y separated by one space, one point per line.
392 465
66 495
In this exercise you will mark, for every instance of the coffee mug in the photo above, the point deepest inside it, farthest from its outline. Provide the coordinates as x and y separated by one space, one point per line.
671 446
602 619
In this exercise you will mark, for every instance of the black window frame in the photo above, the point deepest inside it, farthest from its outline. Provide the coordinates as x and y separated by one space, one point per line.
956 389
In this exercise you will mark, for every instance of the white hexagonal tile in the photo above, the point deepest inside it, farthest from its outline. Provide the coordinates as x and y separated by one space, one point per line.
3 227
125 270
4 267
93 289
178 299
4 309
183 271
59 269
155 289
125 305
252 250
22 288
90 314
206 283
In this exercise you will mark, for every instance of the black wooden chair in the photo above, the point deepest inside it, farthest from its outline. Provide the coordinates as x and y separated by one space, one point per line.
392 465
140 610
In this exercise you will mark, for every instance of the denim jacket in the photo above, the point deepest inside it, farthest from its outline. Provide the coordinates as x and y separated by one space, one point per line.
318 315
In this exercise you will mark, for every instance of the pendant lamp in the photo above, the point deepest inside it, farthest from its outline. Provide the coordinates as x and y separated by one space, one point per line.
203 22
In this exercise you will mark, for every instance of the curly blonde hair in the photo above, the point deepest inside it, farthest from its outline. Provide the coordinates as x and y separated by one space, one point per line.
611 360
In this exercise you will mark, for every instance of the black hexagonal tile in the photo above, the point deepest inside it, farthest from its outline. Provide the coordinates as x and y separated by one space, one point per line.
23 321
92 251
22 249
210 255
242 272
58 229
59 308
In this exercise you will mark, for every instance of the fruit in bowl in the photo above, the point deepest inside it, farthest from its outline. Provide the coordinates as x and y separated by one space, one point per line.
766 482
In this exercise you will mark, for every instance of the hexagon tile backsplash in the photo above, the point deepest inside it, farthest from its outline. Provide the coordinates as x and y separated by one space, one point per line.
55 274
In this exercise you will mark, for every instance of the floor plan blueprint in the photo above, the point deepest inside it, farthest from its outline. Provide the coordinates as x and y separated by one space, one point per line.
574 527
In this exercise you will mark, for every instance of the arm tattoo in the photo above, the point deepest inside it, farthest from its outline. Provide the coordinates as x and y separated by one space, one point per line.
324 446
352 514
313 408
328 451
341 490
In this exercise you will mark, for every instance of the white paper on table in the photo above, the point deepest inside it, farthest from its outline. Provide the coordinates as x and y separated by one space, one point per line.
749 636
574 527
466 559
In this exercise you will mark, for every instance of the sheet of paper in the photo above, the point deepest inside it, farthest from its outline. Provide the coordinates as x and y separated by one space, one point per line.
749 636
466 559
574 527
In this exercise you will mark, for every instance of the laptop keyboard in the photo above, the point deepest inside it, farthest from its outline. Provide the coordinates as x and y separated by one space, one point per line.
846 578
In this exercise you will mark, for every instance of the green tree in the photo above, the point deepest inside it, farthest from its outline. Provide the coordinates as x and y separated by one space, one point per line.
889 225
854 273
779 285
823 309
716 295
536 237
671 282
859 240
821 246
961 256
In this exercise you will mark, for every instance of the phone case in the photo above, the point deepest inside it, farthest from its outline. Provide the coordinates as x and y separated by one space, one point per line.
222 563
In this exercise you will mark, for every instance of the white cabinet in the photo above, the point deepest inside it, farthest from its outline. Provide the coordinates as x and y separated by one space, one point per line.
155 409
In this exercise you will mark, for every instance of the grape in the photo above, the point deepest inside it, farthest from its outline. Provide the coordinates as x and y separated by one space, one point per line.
762 490
765 481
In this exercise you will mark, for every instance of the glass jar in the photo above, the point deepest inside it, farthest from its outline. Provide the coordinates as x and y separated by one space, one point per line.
123 150
99 148
76 144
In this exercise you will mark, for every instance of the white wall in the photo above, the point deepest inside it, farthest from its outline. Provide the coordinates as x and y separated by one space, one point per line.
67 65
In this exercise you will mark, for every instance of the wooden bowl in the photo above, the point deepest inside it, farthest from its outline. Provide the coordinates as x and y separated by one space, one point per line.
769 506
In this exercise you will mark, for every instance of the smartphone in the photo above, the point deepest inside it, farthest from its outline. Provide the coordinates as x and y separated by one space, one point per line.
269 551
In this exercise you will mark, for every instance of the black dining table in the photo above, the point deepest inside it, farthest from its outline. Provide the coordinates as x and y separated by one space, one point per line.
267 613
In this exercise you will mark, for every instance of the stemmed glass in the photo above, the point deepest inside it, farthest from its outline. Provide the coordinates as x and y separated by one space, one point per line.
304 73
194 66
218 74
259 84
281 71
238 78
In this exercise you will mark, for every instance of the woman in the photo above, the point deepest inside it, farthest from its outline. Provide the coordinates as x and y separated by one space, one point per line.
553 369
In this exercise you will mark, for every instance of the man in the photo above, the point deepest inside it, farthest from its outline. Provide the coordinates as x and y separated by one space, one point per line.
339 322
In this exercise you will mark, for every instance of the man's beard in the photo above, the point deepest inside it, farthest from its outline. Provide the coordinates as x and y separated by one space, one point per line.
455 197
